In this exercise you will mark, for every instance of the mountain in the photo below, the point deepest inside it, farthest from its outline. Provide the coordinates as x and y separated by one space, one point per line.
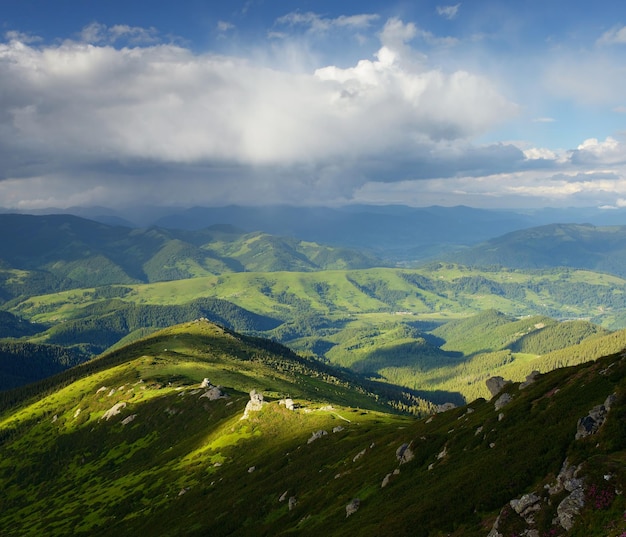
272 444
584 246
40 254
395 232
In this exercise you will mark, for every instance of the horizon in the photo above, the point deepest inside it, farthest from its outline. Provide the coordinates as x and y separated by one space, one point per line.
485 105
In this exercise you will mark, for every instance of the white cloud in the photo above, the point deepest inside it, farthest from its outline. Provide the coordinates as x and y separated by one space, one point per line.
316 23
99 120
223 26
614 36
449 12
97 33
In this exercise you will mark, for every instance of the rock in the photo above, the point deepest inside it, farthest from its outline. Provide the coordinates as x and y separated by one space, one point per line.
595 419
251 469
570 508
445 407
529 379
337 429
316 435
404 453
288 402
527 506
113 411
359 455
443 453
128 419
214 393
502 401
254 405
292 502
495 385
386 480
353 507
283 496
206 383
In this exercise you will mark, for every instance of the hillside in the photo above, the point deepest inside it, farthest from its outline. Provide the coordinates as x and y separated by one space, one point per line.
65 252
582 246
135 442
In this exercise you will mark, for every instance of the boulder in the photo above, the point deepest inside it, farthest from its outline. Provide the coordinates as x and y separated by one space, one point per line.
527 506
502 401
213 393
254 405
529 379
593 421
288 402
495 385
570 508
353 507
404 453
113 411
316 435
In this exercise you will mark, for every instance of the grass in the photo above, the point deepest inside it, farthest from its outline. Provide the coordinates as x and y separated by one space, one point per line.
188 466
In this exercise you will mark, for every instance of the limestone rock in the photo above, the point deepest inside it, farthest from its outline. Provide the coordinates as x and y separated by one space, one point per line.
495 385
113 411
529 379
445 407
353 507
206 383
316 435
570 508
593 421
129 419
404 453
526 506
254 405
292 502
502 401
213 393
288 402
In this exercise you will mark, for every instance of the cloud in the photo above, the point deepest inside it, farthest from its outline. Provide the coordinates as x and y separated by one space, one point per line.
316 23
449 12
97 33
614 36
117 115
223 26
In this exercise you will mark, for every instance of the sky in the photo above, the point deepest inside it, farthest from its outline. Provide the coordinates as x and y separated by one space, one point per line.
483 103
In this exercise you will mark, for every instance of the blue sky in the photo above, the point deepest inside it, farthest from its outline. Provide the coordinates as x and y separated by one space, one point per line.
481 103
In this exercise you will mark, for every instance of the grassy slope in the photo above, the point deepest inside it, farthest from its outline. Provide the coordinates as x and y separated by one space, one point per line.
188 466
373 320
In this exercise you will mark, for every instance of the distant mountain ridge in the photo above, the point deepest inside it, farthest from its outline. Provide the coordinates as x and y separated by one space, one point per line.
66 251
583 246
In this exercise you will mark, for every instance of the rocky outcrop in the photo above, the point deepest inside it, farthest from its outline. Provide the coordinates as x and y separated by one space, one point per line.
568 509
527 506
316 435
288 403
404 454
444 407
592 422
495 385
353 507
530 379
113 411
502 401
254 405
212 393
